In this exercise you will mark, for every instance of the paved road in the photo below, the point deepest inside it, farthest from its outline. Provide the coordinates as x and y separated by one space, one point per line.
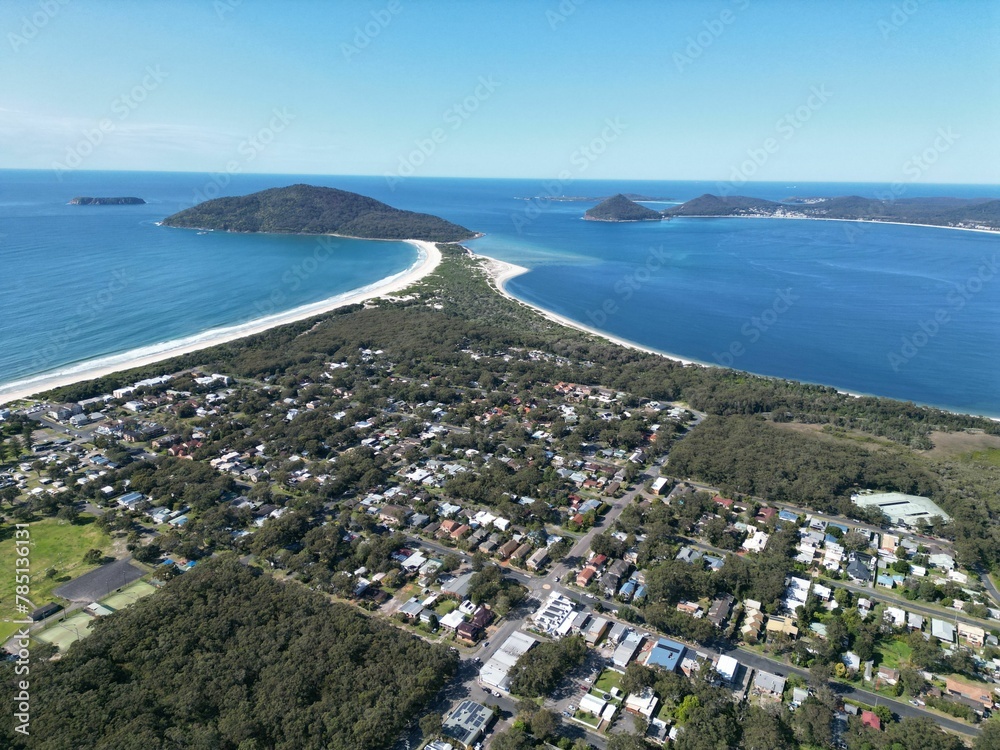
883 594
581 549
540 586
900 708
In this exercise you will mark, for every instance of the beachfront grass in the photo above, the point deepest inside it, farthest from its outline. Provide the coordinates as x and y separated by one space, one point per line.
55 544
990 456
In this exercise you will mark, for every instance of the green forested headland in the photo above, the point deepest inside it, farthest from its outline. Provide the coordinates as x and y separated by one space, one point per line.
306 209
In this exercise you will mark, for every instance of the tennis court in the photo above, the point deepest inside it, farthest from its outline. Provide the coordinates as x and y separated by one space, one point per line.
128 595
66 632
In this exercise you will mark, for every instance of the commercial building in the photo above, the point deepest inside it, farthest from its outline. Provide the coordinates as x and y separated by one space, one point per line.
494 673
908 510
467 723
666 654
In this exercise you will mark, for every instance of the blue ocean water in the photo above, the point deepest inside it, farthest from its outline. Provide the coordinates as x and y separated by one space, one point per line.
79 283
900 311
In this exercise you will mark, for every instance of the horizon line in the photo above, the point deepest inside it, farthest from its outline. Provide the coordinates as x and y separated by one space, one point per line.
523 177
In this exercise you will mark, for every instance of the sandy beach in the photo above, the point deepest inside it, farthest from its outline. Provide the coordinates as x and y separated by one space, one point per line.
428 260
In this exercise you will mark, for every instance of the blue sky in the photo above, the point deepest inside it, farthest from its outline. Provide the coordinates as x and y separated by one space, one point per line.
871 90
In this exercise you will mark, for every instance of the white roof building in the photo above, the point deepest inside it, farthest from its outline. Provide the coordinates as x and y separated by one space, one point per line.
727 666
901 508
494 672
554 612
592 704
643 703
756 542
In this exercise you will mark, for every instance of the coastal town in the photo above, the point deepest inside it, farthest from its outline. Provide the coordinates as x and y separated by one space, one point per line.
506 523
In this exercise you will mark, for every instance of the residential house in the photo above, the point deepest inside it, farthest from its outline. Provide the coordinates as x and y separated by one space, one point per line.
942 630
538 559
752 626
888 676
507 549
785 625
978 692
768 685
973 634
585 576
869 719
642 703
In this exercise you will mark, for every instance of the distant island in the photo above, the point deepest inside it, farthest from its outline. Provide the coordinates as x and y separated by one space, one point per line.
620 208
957 213
591 198
306 209
88 201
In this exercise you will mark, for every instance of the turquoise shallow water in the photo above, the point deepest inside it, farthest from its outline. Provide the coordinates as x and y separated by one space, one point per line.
899 311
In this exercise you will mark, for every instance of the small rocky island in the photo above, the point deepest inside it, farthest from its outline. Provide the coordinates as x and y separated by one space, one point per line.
620 208
87 201
307 209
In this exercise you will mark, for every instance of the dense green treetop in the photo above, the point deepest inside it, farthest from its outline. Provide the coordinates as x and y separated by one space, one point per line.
936 211
620 208
305 209
224 658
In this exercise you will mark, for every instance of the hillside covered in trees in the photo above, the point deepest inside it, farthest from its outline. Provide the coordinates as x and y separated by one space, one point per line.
946 212
305 209
225 658
620 208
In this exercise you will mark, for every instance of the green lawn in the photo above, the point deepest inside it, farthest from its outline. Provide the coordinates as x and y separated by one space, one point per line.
608 679
893 653
589 719
54 544
445 606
